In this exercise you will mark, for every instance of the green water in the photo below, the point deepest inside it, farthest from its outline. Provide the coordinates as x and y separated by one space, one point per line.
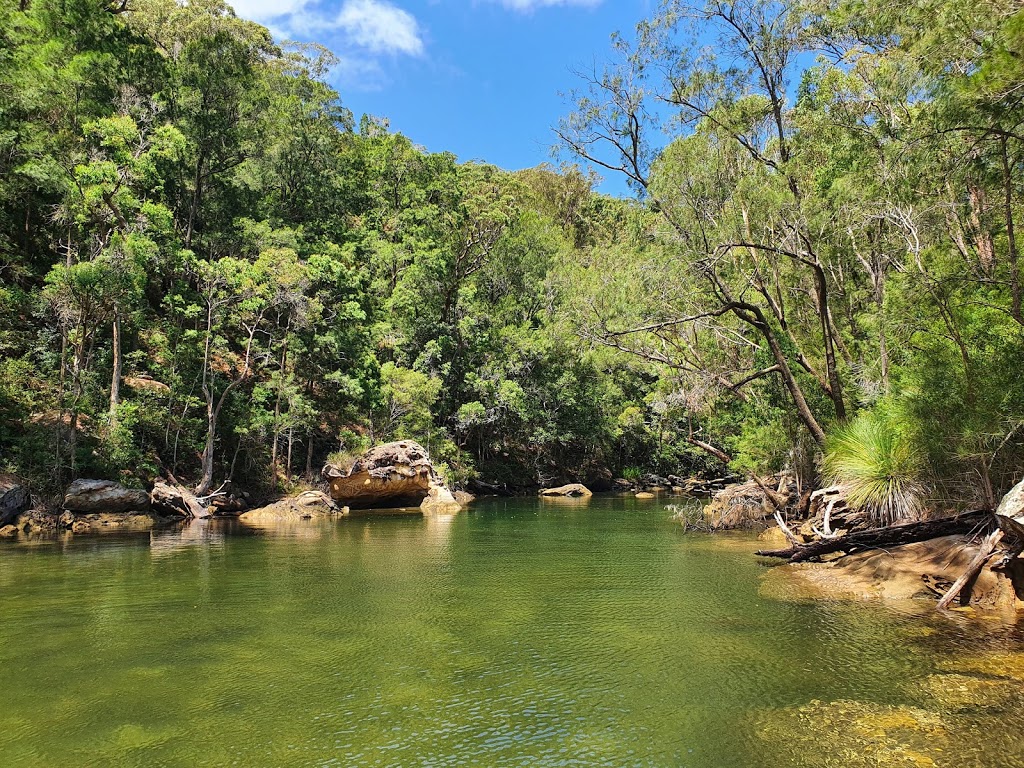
521 633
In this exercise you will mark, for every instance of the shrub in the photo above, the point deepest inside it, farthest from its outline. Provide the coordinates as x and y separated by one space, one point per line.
878 467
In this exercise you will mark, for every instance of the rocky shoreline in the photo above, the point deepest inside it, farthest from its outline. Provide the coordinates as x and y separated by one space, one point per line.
970 560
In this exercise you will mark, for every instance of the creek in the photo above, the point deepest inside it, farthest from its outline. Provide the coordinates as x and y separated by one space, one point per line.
520 633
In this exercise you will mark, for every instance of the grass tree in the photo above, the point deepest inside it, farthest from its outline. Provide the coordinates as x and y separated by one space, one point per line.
878 467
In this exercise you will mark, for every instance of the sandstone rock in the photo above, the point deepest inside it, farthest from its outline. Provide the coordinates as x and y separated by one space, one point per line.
924 569
391 475
773 536
573 489
174 501
102 521
104 496
144 383
14 499
464 498
36 522
305 506
439 501
8 531
645 495
228 506
1012 504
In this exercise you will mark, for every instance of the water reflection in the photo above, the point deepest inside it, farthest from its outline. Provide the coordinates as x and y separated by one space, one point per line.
164 542
520 633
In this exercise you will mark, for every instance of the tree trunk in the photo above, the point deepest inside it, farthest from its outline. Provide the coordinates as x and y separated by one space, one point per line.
835 385
115 379
755 317
1011 237
277 404
206 481
890 536
291 442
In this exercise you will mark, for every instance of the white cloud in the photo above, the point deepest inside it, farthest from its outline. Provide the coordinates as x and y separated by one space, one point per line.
261 10
380 27
528 6
375 26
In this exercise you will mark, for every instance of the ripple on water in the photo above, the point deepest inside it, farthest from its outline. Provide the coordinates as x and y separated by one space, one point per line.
519 634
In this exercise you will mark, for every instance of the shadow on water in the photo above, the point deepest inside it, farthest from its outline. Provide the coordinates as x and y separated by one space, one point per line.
523 632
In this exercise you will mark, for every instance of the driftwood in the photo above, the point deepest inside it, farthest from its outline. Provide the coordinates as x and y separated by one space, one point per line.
988 546
875 538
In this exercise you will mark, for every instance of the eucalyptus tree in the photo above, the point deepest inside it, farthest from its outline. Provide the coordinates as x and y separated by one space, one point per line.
747 242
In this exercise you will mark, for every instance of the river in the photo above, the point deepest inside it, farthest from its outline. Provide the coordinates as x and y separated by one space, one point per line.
521 633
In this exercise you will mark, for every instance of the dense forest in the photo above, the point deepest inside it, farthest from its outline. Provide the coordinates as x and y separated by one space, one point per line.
209 268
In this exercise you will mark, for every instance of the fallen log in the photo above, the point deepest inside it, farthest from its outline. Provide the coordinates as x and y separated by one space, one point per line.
988 546
891 536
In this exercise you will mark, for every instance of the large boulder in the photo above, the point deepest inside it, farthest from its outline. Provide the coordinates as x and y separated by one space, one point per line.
439 501
1012 504
573 490
747 505
14 499
395 474
95 496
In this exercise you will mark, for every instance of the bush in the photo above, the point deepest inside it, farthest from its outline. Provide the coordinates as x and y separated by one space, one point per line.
878 467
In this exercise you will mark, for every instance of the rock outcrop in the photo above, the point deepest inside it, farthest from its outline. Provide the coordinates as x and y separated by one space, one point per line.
175 501
923 569
14 499
305 506
1012 504
574 490
439 501
104 496
395 474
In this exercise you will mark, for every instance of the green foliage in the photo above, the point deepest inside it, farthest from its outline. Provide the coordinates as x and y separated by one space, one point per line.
878 467
207 268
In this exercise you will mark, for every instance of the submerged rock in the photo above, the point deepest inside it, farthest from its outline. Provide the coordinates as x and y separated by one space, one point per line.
391 475
924 569
574 490
104 496
854 734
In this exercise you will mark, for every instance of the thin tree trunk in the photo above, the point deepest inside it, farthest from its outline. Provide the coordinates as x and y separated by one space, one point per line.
115 379
831 371
213 412
1011 236
277 404
982 238
197 194
753 315
291 441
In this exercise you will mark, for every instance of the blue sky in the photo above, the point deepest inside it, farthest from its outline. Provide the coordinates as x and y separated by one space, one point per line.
480 78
